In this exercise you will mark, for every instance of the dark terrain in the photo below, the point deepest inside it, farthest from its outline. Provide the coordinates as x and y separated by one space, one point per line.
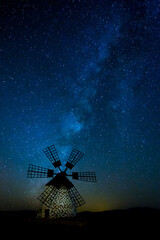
130 222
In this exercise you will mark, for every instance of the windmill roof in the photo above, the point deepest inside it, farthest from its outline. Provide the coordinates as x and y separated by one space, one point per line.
60 179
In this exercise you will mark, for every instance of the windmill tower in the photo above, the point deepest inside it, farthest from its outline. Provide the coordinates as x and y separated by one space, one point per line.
60 197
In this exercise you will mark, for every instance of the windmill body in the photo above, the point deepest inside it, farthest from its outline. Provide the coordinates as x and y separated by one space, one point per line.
60 197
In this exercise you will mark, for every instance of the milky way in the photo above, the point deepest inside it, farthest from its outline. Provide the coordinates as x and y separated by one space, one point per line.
81 74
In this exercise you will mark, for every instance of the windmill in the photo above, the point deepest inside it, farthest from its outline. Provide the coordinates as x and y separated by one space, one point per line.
60 197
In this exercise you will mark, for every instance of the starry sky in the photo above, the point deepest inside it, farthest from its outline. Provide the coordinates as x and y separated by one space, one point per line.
81 74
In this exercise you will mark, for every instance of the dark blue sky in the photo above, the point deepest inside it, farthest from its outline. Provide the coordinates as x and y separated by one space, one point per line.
82 74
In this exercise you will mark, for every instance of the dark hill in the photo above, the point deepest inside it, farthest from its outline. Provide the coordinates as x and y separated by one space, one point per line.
116 222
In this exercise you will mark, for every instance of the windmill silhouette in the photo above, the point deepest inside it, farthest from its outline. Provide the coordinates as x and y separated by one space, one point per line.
60 197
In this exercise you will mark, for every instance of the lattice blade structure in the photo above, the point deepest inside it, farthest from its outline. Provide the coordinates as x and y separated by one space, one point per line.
74 158
52 155
39 172
48 195
84 176
76 198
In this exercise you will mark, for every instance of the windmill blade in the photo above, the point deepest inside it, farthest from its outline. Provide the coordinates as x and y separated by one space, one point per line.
76 198
39 172
84 176
52 155
74 158
48 195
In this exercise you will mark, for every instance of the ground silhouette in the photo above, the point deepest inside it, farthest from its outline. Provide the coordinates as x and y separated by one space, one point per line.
129 222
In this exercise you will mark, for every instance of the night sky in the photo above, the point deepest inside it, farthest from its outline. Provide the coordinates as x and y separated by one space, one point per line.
81 74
